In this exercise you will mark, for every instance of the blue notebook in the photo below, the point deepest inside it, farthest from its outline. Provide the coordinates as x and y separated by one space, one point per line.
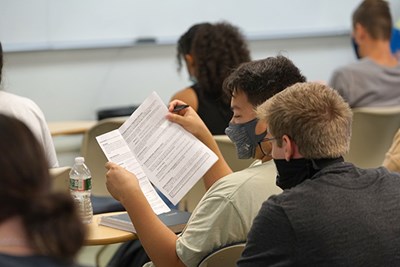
175 219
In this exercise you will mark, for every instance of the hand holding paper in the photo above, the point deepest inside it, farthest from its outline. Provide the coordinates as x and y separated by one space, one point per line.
149 145
187 118
120 182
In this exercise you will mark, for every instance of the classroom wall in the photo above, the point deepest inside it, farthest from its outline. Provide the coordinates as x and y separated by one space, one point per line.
49 24
74 84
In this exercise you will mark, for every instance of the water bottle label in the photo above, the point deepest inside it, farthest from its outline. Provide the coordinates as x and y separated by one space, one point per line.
80 185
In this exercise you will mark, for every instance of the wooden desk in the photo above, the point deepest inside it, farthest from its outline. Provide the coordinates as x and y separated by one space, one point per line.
103 235
70 127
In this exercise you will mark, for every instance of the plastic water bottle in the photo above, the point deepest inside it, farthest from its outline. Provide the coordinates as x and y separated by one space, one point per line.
80 185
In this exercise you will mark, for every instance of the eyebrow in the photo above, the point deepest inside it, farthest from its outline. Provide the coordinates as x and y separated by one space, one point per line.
235 107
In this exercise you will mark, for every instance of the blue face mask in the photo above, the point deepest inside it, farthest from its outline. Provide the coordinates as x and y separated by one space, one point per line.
193 79
244 137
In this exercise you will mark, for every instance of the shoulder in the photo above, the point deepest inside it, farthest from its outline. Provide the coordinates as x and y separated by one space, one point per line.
19 101
253 177
344 78
187 95
18 105
360 66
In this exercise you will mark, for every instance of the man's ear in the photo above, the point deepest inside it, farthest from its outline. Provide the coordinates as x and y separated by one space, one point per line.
288 147
359 33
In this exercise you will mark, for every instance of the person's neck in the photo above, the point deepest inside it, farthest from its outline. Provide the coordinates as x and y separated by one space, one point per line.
266 158
13 238
379 52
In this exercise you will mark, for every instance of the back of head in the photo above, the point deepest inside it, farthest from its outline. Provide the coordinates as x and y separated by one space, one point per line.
216 50
52 224
261 79
186 40
375 17
314 116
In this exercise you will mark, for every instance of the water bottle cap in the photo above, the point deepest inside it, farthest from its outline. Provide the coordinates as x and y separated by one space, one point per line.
79 160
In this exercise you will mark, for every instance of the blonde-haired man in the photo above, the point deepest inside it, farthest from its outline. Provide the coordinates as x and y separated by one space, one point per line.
335 214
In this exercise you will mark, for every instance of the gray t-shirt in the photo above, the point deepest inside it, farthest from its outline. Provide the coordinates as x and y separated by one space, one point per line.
342 216
367 84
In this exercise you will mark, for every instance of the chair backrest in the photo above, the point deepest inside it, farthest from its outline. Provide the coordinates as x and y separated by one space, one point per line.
60 178
228 150
372 134
115 112
94 156
226 256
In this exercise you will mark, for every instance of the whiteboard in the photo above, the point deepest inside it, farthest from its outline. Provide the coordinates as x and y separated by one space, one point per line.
68 24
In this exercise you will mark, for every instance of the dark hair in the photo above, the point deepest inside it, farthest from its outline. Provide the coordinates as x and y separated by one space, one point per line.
375 16
1 60
216 49
50 219
261 79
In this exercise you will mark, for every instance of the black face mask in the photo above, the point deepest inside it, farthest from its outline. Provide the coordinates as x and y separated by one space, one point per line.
355 47
295 171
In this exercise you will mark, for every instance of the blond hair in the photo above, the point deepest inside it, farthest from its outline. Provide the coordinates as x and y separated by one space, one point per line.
313 115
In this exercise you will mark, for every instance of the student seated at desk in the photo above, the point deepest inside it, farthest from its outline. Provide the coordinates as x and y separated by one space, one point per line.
27 111
210 52
225 213
38 227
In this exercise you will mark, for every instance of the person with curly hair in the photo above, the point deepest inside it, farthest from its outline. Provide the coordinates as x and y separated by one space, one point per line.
38 227
210 53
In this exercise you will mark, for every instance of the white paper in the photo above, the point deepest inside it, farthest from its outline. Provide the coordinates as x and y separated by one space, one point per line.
172 158
117 151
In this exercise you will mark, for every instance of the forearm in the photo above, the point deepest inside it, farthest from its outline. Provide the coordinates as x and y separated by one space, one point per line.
193 123
221 167
157 239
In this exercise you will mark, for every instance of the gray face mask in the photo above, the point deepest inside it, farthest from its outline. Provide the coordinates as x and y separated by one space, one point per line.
244 137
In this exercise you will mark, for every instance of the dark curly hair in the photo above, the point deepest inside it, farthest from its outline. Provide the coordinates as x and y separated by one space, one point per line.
217 49
261 79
